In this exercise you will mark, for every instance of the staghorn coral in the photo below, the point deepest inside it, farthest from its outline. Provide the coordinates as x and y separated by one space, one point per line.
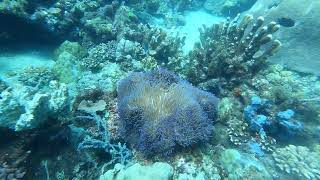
298 161
159 112
233 51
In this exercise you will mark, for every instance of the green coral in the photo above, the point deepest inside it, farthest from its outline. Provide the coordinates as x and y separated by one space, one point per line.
66 68
67 61
73 48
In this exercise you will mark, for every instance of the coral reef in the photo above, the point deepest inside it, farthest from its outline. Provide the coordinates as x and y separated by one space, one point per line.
255 114
13 156
159 111
232 52
3 85
104 107
298 161
158 43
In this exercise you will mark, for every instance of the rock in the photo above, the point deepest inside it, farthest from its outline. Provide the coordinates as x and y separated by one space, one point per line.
228 7
238 165
156 171
299 32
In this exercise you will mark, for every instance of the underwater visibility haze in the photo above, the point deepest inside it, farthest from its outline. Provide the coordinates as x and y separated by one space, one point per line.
159 90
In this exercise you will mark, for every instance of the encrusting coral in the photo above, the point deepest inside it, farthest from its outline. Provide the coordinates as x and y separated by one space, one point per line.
233 51
159 112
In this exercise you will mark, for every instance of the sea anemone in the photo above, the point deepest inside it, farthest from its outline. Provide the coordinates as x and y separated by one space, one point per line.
159 112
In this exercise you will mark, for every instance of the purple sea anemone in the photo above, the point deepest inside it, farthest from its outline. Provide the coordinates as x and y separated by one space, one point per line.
159 112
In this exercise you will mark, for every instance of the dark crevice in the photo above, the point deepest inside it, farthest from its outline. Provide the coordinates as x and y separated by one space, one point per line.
17 32
286 22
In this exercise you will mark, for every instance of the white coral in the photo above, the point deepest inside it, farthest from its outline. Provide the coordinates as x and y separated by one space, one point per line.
21 108
299 161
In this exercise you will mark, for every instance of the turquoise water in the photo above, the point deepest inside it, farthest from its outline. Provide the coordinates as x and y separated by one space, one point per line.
150 89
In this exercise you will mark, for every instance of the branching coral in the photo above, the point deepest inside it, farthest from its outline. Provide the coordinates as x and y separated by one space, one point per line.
119 152
159 112
232 51
150 43
298 161
157 42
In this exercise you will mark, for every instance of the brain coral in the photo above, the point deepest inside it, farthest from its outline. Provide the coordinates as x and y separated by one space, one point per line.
159 112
